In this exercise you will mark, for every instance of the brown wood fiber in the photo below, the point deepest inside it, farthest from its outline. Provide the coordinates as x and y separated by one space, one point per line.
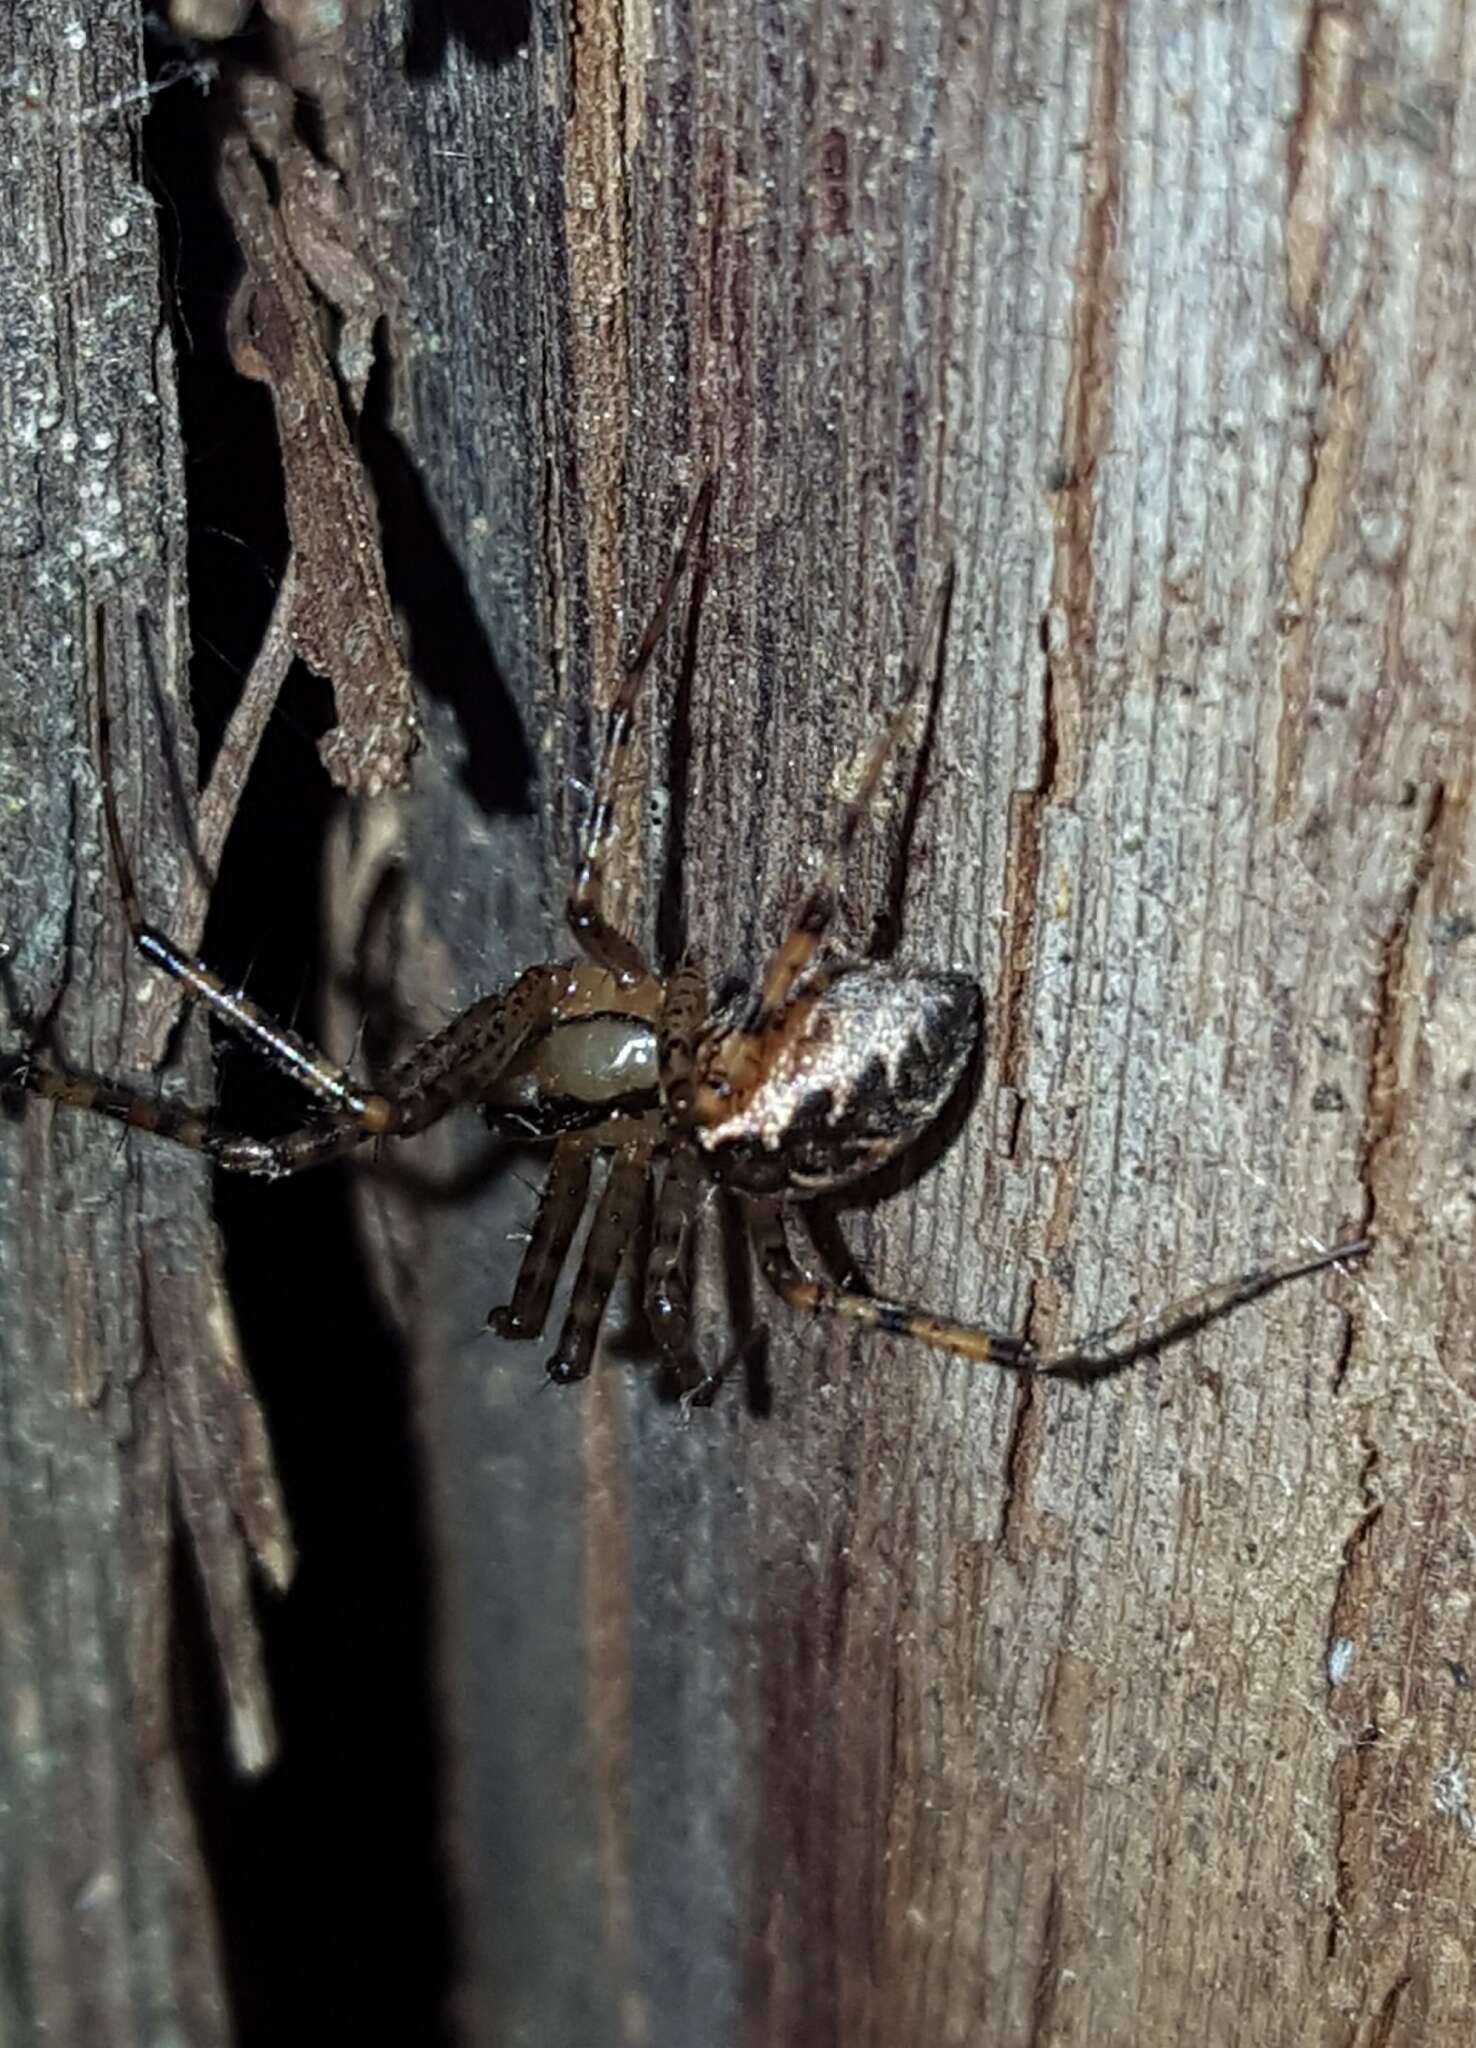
926 1707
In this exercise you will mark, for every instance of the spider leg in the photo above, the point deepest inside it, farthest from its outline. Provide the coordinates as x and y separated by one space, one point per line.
737 1067
683 1014
668 1272
822 1227
609 1237
820 1298
309 1145
559 1210
1111 1350
286 1051
812 920
585 908
1093 1358
668 1298
456 1065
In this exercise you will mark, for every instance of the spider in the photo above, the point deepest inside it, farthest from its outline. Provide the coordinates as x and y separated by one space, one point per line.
799 1087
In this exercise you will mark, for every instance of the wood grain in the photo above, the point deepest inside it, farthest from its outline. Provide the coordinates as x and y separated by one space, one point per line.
928 1706
925 1706
128 1424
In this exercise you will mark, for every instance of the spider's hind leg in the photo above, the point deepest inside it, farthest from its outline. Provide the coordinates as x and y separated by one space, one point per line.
1144 1336
1092 1359
820 1298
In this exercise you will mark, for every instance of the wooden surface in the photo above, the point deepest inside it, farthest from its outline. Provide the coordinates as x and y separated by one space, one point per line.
924 1706
135 1482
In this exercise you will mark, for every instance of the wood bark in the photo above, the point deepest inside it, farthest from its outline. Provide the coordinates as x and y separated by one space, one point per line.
915 1703
129 1428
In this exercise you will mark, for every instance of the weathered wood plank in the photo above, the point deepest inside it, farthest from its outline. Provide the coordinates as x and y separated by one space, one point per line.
126 1417
925 1706
928 1707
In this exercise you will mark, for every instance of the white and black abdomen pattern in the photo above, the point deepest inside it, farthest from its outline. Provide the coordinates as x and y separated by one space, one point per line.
863 1067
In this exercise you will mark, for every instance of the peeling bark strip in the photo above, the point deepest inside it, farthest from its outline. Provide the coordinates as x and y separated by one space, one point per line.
224 1486
342 625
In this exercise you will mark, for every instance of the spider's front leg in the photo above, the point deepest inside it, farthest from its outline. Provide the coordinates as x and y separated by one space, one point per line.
368 1113
359 1113
194 1129
455 1065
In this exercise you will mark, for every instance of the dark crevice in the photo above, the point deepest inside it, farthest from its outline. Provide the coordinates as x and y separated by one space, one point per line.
332 1860
1382 2030
1021 1451
1391 1007
448 650
492 31
1343 1362
1045 2002
1028 808
671 909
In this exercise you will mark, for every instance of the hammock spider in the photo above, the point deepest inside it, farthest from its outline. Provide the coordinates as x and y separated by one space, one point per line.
808 1083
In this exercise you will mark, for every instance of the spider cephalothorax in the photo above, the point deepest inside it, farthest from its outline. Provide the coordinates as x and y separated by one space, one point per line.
824 1073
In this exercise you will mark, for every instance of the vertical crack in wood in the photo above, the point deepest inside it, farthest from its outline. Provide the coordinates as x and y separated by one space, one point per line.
1088 403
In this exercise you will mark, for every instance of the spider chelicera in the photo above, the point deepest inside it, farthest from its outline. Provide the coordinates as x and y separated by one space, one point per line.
820 1075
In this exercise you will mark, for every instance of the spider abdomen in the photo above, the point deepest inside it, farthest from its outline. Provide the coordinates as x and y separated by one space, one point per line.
582 1072
857 1070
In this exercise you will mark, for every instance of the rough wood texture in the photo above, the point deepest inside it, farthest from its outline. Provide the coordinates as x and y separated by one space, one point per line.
923 1707
928 1708
125 1415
